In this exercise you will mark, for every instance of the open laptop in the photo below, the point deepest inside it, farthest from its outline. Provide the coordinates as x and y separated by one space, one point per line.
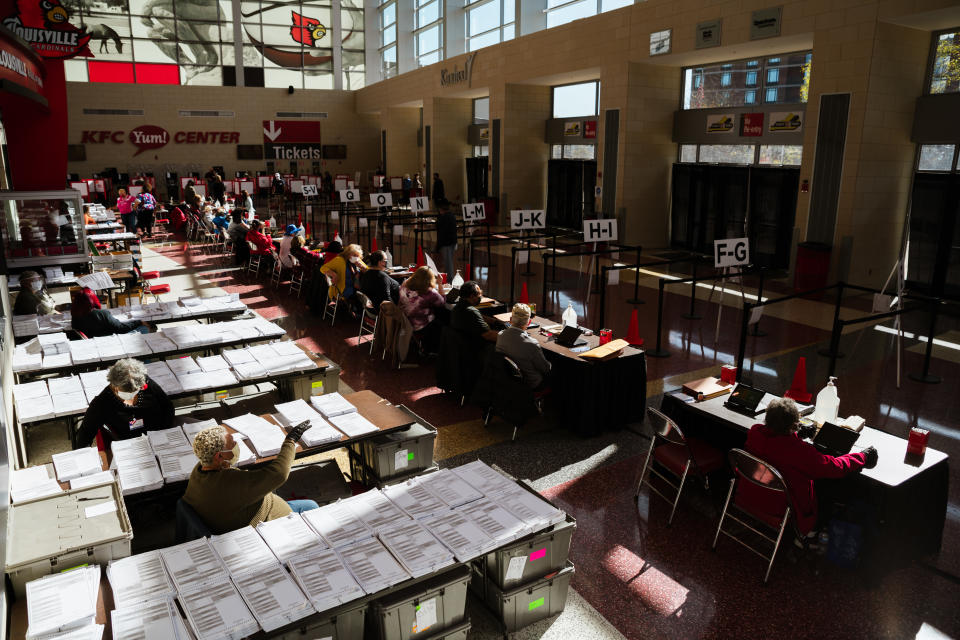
834 440
569 337
746 400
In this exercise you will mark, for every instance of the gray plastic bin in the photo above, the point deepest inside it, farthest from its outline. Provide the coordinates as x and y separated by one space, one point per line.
457 632
525 604
395 615
343 623
540 554
399 453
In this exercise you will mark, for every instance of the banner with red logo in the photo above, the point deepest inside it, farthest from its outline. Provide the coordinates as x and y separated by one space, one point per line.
45 24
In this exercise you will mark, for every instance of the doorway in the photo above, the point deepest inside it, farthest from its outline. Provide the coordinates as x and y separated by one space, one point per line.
477 176
933 265
570 192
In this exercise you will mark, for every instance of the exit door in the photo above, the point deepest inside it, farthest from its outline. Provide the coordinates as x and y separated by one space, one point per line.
570 192
477 178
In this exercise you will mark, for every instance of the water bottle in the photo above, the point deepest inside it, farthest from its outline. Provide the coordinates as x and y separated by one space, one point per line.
828 404
457 280
389 257
336 238
273 222
569 317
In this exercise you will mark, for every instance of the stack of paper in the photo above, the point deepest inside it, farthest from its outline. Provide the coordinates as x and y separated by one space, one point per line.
176 465
375 510
109 347
31 483
23 360
134 344
26 325
417 550
243 551
484 478
139 578
265 437
57 361
530 508
290 537
337 524
272 596
183 366
237 356
217 611
137 468
250 370
68 396
462 536
495 521
183 336
332 404
193 565
165 439
148 620
322 576
93 382
293 413
191 429
449 487
86 632
73 464
213 363
33 401
84 351
62 601
159 342
53 343
352 424
372 565
281 357
415 499
93 480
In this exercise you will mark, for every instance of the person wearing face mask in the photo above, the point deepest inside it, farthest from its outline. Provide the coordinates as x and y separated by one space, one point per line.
227 498
344 272
33 297
130 405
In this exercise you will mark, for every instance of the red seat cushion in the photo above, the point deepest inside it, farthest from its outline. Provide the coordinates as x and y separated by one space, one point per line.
763 504
674 456
150 275
160 288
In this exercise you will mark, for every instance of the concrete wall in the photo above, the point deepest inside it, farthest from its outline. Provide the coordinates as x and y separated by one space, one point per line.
449 122
401 125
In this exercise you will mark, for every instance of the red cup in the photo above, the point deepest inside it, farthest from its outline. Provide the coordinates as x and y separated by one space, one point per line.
606 335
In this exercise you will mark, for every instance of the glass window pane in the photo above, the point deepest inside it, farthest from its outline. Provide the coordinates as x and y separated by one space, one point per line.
688 153
570 13
556 152
318 81
727 153
201 76
429 58
389 15
75 70
946 64
784 154
610 5
509 10
429 40
389 36
485 40
283 78
151 51
785 79
579 151
508 32
428 13
483 18
481 109
388 61
935 157
354 79
575 100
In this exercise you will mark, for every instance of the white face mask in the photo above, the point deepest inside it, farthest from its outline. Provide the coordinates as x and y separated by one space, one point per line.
354 259
127 395
36 285
235 452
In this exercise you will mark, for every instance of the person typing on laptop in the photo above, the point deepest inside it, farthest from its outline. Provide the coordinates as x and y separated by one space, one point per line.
778 443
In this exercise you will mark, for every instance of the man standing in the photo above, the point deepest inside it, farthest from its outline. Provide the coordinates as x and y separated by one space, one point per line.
439 195
376 283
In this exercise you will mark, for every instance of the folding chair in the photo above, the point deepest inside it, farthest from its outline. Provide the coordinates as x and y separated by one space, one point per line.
678 455
763 477
330 309
253 262
146 276
276 274
296 279
368 319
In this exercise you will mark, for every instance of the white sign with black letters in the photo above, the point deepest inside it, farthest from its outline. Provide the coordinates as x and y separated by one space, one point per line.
528 219
349 195
381 199
474 212
731 252
419 204
600 230
309 190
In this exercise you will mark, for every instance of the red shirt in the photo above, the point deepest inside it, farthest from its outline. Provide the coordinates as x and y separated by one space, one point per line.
263 243
800 464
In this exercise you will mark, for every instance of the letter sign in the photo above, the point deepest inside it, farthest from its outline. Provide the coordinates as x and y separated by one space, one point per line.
419 205
309 190
349 195
473 212
731 252
381 199
528 219
600 230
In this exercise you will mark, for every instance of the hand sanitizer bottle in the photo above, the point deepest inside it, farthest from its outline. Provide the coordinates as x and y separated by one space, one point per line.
389 257
457 281
569 317
828 404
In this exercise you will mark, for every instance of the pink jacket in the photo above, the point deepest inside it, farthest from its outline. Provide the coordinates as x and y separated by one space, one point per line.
125 204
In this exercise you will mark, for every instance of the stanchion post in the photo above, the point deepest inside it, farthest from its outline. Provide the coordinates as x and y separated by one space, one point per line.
553 252
834 351
543 306
513 259
692 314
659 352
742 348
603 296
834 345
925 376
756 327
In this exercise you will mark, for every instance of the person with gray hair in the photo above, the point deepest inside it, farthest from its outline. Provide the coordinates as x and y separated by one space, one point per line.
130 405
227 498
778 443
33 297
515 343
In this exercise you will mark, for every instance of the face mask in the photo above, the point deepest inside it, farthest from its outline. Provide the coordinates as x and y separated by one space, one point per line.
127 395
235 452
36 285
354 259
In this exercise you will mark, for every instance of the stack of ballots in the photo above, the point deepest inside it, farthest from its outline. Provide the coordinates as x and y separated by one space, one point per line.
266 438
31 483
70 465
342 414
33 401
152 619
136 465
68 395
320 432
62 602
139 578
174 452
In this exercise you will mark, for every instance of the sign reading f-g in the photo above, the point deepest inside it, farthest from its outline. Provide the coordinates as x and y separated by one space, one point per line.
731 252
474 212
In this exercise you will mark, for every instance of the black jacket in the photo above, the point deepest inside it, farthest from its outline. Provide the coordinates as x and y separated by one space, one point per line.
379 286
109 412
439 195
446 229
101 322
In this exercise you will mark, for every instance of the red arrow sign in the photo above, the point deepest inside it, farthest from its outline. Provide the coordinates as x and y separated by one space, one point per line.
291 131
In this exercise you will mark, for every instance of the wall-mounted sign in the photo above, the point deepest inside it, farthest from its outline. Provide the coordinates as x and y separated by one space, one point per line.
720 123
528 219
148 136
751 124
590 129
572 128
765 23
600 230
309 190
485 133
291 131
293 151
708 34
19 66
660 42
731 252
45 24
458 76
473 212
781 121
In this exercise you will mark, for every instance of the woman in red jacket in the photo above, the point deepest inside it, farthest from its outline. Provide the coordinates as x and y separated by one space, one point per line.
799 462
263 244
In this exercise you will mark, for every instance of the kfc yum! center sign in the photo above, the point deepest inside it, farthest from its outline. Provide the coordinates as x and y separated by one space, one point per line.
148 136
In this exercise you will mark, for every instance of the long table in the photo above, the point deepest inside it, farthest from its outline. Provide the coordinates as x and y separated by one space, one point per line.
592 396
908 494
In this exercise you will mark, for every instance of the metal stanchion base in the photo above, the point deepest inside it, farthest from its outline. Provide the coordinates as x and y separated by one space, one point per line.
658 353
691 316
926 379
636 301
826 353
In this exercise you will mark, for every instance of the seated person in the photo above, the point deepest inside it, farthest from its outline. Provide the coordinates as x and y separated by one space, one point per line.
220 223
33 297
331 251
778 443
129 406
376 283
87 218
68 234
227 498
421 302
344 271
466 318
262 243
515 343
237 233
88 318
286 246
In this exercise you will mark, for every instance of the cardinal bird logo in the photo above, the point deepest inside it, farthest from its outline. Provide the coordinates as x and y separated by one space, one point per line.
306 31
45 24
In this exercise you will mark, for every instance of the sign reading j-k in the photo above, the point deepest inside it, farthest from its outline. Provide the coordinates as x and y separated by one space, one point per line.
528 219
731 252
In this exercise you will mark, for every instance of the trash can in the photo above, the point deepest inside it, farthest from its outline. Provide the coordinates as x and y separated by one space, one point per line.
813 265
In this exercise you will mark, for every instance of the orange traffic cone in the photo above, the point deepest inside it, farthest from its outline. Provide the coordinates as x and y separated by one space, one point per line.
421 261
373 247
798 388
633 334
524 296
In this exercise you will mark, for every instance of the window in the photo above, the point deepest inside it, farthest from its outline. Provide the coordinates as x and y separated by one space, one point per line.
936 157
573 152
688 153
489 22
481 151
785 80
428 34
481 110
727 153
945 75
782 154
388 38
352 44
563 11
770 154
573 100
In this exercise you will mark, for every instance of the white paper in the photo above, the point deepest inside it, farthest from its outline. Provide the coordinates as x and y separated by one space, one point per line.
290 537
62 601
100 510
139 578
352 424
103 477
273 597
515 567
73 464
324 579
485 478
375 510
426 615
449 487
193 566
400 459
372 565
243 550
337 524
415 499
416 548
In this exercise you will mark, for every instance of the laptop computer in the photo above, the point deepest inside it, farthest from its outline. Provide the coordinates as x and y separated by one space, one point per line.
834 440
568 337
746 400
